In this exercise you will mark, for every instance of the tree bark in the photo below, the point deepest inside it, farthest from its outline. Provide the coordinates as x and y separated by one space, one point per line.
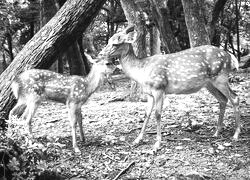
133 17
161 18
42 50
214 33
10 49
195 22
75 60
155 42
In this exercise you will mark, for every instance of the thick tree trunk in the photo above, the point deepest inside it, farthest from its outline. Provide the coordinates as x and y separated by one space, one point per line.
133 17
155 42
10 49
161 18
194 17
75 60
55 37
214 32
132 14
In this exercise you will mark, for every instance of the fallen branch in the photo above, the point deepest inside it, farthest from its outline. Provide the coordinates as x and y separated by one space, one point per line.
124 170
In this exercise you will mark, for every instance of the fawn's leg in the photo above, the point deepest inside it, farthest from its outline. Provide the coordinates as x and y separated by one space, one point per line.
16 108
221 83
79 120
234 99
148 114
222 106
73 107
29 113
158 96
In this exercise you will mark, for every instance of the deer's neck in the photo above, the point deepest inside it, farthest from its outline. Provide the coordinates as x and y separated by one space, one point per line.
93 79
132 65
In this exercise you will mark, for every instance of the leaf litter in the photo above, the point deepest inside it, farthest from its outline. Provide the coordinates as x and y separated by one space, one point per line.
188 150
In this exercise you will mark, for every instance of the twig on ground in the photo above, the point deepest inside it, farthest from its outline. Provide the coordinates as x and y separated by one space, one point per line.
244 139
154 132
124 170
116 99
179 139
113 159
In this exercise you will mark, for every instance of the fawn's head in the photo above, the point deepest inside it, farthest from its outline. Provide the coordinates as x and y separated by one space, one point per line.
119 43
103 66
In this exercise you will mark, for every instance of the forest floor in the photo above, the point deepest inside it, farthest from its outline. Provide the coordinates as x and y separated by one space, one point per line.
188 150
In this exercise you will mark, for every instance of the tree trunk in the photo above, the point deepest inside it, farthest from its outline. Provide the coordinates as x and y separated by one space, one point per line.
155 42
195 21
75 56
161 18
10 48
133 17
214 32
55 37
75 60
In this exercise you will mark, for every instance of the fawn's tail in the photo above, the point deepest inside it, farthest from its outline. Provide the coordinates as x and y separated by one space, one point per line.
15 89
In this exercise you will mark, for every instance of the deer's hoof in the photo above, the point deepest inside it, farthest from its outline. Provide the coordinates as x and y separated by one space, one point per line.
236 137
137 140
157 147
135 143
77 150
83 140
216 134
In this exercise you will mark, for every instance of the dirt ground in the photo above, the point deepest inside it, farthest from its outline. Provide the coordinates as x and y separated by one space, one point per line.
188 148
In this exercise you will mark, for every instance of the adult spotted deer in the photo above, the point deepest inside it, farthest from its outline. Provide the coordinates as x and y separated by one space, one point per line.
183 72
34 85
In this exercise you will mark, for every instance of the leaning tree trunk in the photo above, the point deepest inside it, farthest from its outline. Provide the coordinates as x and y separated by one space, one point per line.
42 50
194 17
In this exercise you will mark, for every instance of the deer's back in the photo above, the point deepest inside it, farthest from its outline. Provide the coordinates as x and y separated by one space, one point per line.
186 71
50 85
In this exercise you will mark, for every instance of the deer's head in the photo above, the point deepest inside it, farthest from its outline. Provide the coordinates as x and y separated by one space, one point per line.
119 43
102 66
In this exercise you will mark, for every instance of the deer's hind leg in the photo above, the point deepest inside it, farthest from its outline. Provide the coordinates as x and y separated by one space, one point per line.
32 103
222 99
221 90
221 83
18 109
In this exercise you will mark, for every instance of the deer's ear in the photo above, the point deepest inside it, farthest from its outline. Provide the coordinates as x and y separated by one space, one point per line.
131 37
129 29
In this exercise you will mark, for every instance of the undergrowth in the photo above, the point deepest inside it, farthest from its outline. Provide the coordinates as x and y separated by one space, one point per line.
22 157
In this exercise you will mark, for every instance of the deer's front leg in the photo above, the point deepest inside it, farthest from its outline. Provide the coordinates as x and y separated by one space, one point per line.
148 114
72 106
158 96
79 120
